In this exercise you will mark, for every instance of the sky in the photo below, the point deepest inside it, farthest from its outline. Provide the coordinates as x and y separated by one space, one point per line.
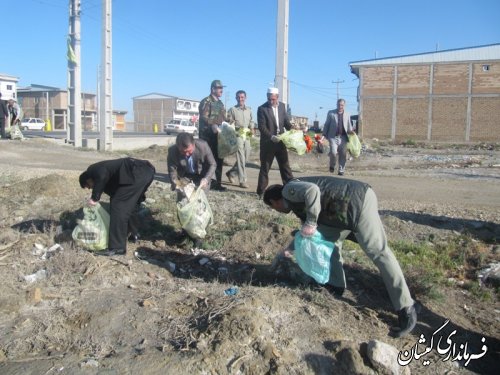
178 47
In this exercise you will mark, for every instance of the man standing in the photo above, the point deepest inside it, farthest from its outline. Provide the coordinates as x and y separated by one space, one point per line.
241 116
192 160
337 125
125 181
4 115
272 120
212 114
336 207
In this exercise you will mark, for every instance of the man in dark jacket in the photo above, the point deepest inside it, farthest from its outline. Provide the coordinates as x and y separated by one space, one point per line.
4 115
191 160
272 120
336 207
125 181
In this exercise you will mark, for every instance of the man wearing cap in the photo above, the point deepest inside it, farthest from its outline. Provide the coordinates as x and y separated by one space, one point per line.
212 114
272 120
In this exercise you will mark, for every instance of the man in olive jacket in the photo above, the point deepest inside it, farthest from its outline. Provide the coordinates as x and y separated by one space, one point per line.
336 207
125 181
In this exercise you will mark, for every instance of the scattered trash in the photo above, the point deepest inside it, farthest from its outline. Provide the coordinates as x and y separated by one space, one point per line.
89 363
203 261
231 291
44 252
170 266
37 276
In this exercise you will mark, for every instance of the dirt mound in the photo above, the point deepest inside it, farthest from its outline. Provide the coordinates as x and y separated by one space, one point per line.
229 308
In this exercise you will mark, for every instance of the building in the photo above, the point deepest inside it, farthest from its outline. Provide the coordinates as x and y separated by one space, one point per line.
8 86
51 103
154 108
451 95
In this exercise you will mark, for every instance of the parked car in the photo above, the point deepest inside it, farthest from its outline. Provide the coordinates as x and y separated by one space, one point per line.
176 126
32 123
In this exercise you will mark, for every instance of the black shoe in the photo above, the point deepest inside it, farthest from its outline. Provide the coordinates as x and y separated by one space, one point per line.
134 238
407 320
332 170
198 244
337 291
219 187
341 173
111 252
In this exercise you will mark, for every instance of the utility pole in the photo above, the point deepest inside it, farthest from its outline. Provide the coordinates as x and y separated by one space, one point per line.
281 76
74 128
338 82
106 103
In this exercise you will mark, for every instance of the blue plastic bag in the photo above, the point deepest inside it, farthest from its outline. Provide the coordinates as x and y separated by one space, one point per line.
313 256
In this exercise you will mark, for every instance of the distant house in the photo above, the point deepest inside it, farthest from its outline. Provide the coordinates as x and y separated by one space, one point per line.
451 95
158 109
8 86
51 103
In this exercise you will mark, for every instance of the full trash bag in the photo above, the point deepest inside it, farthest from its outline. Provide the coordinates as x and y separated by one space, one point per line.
313 256
195 214
294 141
93 231
354 145
227 142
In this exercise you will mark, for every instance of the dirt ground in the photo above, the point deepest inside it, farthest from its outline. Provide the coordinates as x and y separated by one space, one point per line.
162 308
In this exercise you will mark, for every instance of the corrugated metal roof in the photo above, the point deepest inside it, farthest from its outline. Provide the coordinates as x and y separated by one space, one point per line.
479 53
153 95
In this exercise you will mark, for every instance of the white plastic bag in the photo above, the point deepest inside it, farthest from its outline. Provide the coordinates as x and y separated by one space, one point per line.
294 141
227 141
195 214
93 231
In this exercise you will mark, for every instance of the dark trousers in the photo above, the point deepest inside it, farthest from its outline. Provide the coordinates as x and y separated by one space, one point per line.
2 128
268 151
213 143
123 203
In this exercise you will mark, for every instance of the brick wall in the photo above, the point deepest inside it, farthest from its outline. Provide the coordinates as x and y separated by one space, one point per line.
485 119
412 119
449 116
447 99
377 118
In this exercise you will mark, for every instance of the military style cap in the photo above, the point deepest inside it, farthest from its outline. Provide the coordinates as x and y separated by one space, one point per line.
216 83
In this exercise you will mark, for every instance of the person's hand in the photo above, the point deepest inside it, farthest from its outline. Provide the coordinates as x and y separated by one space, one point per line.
275 139
215 129
308 230
338 140
91 202
203 183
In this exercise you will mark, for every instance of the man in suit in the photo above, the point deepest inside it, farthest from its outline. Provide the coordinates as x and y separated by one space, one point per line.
125 181
191 160
337 125
272 120
4 114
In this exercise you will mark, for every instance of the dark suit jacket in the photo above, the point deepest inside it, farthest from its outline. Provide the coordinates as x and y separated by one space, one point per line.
267 122
109 175
203 161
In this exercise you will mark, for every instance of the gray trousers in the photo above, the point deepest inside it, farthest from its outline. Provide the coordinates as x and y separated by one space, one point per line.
242 156
341 150
372 239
